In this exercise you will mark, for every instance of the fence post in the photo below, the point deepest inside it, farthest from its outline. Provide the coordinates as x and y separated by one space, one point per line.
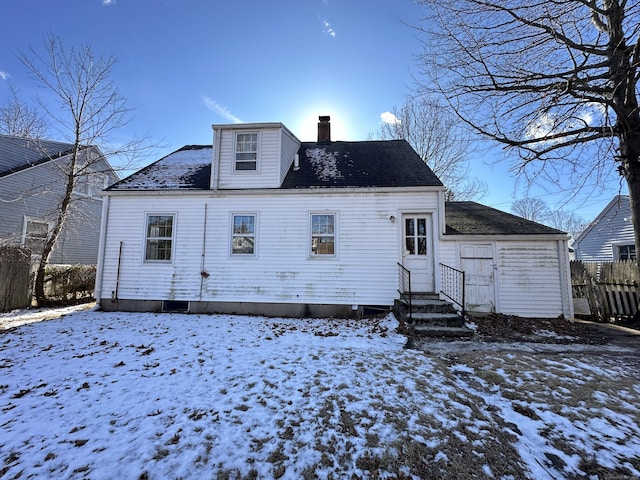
15 276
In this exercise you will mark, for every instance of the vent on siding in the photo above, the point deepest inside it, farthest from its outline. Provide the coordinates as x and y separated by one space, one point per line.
175 306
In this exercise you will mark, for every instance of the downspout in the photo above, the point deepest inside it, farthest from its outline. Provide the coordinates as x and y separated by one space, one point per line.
101 248
203 274
115 297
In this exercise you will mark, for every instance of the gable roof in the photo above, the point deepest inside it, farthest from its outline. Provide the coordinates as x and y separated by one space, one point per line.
618 202
18 153
390 163
383 163
471 218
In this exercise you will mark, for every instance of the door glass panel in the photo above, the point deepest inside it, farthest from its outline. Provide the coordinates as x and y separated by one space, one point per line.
422 226
410 246
422 246
415 236
409 226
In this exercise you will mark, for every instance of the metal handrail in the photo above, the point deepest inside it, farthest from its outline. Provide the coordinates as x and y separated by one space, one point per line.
453 285
404 286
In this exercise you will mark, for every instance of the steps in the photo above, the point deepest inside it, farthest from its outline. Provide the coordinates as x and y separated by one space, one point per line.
430 316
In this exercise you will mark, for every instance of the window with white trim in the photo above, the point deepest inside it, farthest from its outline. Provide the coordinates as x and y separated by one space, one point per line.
626 252
35 235
90 185
246 151
243 235
159 238
323 234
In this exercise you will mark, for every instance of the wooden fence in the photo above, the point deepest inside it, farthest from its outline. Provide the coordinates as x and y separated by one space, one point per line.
611 289
15 271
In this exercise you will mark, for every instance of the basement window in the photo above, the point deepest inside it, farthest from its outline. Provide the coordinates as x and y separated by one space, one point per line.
175 306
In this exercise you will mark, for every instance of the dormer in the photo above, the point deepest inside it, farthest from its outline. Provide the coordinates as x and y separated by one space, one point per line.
251 155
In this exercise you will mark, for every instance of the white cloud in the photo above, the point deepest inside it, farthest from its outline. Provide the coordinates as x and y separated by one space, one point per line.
108 2
388 117
328 29
4 75
220 110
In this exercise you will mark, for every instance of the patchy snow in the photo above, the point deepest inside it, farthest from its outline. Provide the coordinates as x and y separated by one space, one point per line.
171 172
325 164
129 395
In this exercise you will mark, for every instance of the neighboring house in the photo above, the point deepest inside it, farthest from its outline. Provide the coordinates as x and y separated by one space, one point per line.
610 236
32 182
261 223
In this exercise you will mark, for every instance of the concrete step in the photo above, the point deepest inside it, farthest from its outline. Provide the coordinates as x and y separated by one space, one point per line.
437 331
441 319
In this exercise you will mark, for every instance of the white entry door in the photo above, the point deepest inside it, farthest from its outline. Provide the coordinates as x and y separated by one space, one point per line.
417 255
477 263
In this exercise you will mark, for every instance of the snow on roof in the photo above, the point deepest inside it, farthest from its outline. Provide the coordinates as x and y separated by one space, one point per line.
187 168
325 164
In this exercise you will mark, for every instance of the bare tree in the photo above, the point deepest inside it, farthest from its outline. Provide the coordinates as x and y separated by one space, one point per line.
86 110
531 208
440 140
567 222
555 81
21 120
537 210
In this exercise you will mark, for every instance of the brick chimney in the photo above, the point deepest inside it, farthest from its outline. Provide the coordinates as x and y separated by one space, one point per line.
324 129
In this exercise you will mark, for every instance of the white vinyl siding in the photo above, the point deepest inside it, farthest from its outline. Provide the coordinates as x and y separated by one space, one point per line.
267 174
530 279
530 275
365 273
288 150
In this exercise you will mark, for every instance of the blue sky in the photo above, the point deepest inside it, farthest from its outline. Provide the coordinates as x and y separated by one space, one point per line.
186 64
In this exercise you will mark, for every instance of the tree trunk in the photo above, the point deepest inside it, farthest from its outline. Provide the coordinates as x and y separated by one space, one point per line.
38 288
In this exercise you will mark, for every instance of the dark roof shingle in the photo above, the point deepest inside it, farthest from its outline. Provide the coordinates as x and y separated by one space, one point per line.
384 163
18 153
188 168
391 163
471 218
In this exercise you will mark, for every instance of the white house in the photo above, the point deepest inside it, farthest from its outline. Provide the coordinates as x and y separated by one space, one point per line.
261 223
610 236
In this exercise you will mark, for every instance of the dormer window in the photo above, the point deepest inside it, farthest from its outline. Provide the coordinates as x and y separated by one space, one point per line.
246 152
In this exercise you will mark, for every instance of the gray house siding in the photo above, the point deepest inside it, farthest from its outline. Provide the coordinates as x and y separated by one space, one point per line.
34 193
601 241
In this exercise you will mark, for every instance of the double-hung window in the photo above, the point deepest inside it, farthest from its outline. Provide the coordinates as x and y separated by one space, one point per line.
35 235
246 151
323 234
626 252
159 244
243 236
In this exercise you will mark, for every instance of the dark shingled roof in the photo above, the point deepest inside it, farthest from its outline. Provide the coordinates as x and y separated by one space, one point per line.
390 163
17 153
471 218
188 168
385 163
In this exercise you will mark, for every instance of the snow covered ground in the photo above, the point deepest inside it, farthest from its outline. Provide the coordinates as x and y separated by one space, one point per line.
158 396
